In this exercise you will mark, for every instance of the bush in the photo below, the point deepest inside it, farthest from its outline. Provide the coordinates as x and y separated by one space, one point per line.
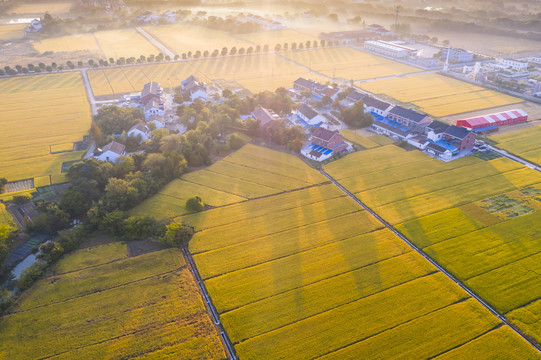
21 198
177 235
195 204
235 142
30 275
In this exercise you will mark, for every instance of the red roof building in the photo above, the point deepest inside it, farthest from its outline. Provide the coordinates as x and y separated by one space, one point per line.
499 119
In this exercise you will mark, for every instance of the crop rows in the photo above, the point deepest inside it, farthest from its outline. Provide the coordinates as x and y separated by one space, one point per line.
442 210
147 307
438 95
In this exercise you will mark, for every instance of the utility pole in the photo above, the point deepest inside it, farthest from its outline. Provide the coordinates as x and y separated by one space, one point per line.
396 20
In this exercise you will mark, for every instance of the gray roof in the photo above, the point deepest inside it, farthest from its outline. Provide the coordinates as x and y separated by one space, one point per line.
114 147
154 103
437 127
151 88
307 111
324 134
265 116
436 148
140 126
457 132
376 103
307 83
356 96
392 129
407 114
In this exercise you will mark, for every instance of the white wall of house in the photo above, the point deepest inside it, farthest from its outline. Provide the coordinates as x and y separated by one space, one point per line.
137 132
108 156
199 94
153 111
158 124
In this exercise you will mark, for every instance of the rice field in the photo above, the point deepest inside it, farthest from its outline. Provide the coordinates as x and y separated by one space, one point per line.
53 7
293 274
524 143
124 43
5 216
69 43
182 38
348 63
40 114
146 306
444 208
258 72
438 95
12 32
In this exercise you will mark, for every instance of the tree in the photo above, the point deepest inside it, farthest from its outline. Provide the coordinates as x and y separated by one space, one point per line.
226 93
250 50
235 142
2 72
111 60
119 195
206 53
141 227
266 48
326 100
49 68
224 51
293 46
112 223
3 182
177 235
257 49
278 47
242 51
356 117
195 204
233 51
75 203
178 99
308 44
50 220
113 119
434 39
215 53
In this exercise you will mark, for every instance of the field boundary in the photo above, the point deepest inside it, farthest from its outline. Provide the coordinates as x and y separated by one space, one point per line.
502 318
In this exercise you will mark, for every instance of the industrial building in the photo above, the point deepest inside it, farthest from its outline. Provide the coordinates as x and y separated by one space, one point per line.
391 49
493 121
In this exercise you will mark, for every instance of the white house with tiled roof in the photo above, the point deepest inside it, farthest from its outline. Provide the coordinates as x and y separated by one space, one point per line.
110 152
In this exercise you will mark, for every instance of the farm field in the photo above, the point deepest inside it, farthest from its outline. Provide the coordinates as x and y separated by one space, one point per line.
11 32
307 266
69 43
234 179
478 219
348 63
256 73
367 142
272 38
146 306
183 38
39 112
439 95
524 143
124 43
53 7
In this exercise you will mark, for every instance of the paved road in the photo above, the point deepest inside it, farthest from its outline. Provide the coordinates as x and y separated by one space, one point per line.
89 93
514 158
428 258
209 305
158 44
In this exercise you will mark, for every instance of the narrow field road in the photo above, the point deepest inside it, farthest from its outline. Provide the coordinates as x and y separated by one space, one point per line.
89 93
228 346
433 262
514 158
158 44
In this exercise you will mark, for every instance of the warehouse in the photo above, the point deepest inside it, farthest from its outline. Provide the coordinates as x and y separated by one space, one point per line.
493 121
390 49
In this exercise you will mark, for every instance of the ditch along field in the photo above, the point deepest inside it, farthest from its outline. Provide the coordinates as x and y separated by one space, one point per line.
236 178
524 143
183 38
309 274
481 220
258 72
40 114
348 63
439 95
113 43
100 304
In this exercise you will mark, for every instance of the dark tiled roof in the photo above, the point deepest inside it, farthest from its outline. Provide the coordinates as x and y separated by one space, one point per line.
356 96
304 83
324 134
457 132
436 147
140 126
437 126
407 113
197 88
151 88
114 147
375 103
154 103
265 116
307 111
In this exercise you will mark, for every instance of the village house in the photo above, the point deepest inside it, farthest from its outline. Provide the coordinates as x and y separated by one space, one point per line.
352 98
409 118
324 144
157 120
302 84
194 88
310 116
434 131
459 137
376 106
153 107
266 117
439 151
140 130
110 152
151 90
